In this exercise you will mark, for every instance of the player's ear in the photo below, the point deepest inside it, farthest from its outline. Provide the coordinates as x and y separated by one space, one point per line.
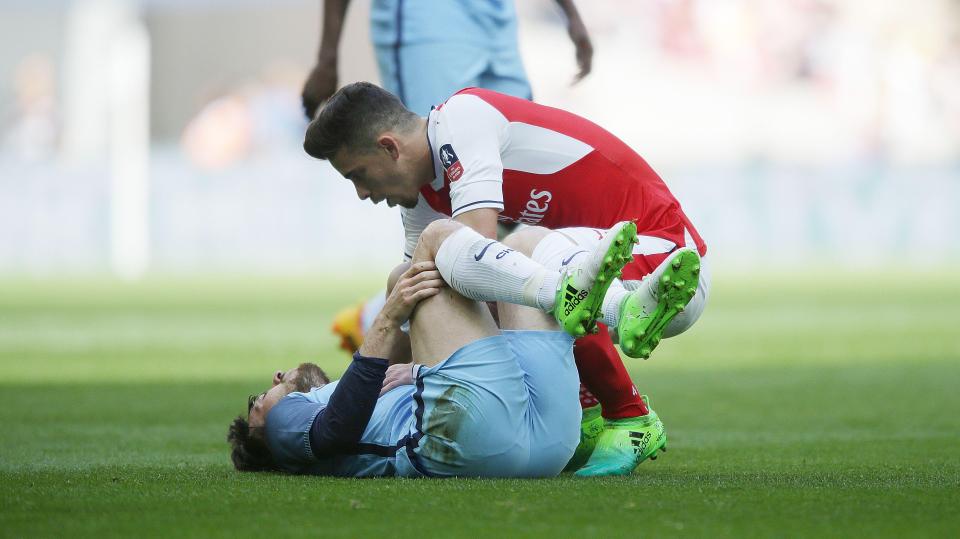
389 144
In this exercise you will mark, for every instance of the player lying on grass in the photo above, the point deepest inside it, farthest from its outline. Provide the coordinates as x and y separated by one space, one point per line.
476 401
483 157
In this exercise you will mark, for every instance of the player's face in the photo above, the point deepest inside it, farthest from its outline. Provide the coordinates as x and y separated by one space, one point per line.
302 378
378 175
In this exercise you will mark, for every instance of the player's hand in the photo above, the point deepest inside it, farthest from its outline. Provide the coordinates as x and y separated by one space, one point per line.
419 282
581 40
320 85
398 375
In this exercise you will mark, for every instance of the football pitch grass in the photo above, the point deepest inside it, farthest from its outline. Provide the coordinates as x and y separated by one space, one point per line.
826 407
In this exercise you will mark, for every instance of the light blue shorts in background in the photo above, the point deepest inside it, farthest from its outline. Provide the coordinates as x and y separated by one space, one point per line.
429 49
424 75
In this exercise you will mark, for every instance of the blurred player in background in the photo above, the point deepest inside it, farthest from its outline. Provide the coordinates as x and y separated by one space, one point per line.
483 156
427 50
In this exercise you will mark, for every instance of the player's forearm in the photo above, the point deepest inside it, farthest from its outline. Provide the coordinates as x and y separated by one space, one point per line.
334 14
386 340
339 427
483 221
569 9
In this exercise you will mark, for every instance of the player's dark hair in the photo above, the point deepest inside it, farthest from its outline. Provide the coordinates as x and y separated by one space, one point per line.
353 117
249 451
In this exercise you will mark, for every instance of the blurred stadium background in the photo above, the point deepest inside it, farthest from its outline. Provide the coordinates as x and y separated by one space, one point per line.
163 136
165 243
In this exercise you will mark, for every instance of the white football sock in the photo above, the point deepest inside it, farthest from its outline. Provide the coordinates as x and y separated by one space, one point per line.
558 250
554 252
486 270
648 290
610 310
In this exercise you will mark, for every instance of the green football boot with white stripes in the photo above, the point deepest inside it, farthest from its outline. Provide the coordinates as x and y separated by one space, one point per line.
624 444
662 295
585 282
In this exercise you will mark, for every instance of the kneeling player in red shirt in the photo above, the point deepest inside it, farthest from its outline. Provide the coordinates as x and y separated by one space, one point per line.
483 157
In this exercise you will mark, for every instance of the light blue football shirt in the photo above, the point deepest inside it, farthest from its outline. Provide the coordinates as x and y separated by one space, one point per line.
289 422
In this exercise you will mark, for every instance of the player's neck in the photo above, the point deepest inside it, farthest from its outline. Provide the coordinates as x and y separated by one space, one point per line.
425 170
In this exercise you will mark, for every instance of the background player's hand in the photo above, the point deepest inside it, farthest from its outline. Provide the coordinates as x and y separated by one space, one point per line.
320 85
581 40
398 375
419 282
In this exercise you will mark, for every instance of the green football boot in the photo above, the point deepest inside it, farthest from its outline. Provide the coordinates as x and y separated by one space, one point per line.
663 295
624 444
585 282
591 426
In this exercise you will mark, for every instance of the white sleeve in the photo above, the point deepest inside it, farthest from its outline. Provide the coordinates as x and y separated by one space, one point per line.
469 134
415 220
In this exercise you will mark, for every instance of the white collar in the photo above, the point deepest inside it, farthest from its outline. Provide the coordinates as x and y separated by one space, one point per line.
432 121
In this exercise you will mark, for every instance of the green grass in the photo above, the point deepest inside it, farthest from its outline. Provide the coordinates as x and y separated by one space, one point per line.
800 411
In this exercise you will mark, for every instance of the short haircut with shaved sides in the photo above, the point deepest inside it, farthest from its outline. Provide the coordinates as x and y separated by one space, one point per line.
353 117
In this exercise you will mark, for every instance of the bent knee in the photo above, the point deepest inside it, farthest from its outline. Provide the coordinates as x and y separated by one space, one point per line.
526 239
432 237
395 276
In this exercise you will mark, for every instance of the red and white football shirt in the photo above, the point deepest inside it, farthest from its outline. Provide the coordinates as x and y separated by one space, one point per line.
543 166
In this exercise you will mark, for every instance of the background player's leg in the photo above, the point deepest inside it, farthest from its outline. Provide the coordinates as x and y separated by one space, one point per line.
351 323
